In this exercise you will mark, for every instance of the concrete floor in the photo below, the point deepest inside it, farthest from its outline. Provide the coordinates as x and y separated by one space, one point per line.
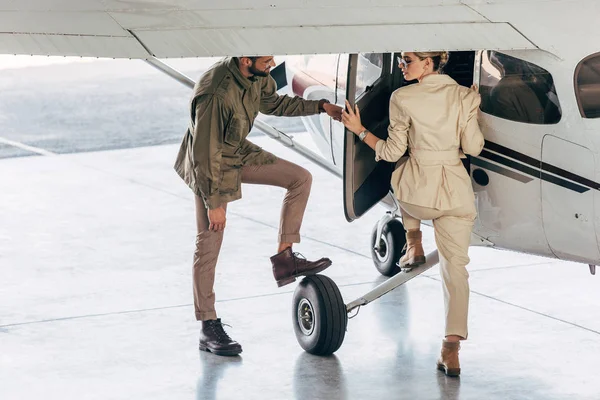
95 298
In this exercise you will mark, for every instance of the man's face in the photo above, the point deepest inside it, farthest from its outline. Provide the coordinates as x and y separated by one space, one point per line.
262 66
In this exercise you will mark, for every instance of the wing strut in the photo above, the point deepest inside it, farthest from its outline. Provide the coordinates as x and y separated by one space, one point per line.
267 129
392 283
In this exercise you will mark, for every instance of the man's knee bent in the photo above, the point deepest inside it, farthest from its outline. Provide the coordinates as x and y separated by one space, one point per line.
308 178
303 179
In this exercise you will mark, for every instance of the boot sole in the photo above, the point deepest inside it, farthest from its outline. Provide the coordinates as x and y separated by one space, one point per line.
449 371
220 352
413 262
287 281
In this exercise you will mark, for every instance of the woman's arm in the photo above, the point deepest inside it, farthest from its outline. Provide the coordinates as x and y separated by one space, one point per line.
371 140
471 138
352 122
395 146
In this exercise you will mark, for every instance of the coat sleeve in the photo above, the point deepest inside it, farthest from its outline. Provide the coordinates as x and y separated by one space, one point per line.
273 104
207 147
471 138
394 147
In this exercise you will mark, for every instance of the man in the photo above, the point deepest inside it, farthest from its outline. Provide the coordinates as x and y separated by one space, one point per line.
215 158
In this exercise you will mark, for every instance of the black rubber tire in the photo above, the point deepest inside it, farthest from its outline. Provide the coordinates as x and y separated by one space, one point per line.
329 316
389 254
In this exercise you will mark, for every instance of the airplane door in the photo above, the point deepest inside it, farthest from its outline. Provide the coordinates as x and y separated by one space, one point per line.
369 84
568 208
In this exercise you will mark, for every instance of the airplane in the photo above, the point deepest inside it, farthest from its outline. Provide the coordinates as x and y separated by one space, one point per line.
536 63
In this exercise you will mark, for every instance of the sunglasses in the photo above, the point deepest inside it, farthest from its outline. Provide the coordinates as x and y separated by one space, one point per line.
403 63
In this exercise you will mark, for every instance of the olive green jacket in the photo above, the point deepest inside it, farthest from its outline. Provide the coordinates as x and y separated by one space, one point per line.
223 108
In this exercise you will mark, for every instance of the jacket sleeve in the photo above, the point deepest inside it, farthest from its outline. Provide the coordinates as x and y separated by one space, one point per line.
273 104
471 138
207 147
394 147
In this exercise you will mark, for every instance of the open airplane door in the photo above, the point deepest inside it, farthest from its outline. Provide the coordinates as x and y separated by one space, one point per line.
366 181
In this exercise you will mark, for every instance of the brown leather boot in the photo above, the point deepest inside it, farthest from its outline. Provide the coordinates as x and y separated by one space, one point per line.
288 265
214 339
414 255
448 361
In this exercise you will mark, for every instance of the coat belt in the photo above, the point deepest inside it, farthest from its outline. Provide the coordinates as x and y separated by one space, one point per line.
436 155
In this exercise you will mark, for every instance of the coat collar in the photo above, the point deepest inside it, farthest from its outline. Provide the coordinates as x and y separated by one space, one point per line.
438 79
232 64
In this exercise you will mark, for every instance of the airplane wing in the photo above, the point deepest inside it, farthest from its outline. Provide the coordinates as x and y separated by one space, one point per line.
204 28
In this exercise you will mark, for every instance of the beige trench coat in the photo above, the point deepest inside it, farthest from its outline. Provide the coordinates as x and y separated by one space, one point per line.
436 120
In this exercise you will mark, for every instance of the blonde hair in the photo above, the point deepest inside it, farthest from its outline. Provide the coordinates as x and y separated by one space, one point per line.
440 58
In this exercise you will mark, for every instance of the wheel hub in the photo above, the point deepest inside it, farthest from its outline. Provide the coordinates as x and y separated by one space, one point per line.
306 319
382 254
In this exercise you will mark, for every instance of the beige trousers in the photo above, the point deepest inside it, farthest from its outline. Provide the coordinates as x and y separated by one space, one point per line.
282 173
452 236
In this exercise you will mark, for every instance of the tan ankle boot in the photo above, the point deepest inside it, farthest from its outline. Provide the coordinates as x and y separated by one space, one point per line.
414 255
448 361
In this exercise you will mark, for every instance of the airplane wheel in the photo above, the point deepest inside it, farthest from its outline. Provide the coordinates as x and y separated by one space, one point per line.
391 247
319 315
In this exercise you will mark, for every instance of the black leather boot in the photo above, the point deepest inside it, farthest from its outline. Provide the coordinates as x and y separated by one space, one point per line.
214 339
288 265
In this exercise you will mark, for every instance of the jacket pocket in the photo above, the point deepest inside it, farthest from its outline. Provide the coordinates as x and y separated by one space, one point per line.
230 181
231 177
237 129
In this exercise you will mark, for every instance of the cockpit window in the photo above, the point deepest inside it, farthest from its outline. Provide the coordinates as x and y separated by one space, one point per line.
587 86
369 70
517 90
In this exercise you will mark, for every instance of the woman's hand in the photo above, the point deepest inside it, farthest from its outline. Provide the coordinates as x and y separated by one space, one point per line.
351 119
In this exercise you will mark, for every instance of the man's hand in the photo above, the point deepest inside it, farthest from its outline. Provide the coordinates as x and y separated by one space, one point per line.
216 217
333 111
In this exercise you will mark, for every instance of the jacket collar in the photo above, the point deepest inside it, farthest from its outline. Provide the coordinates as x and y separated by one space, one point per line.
232 64
437 79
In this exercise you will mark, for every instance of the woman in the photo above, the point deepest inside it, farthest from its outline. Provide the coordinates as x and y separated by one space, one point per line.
435 119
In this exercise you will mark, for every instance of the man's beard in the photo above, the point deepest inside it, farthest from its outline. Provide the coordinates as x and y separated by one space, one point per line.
257 72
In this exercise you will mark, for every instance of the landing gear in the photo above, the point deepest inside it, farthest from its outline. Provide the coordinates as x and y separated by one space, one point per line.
388 246
319 315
